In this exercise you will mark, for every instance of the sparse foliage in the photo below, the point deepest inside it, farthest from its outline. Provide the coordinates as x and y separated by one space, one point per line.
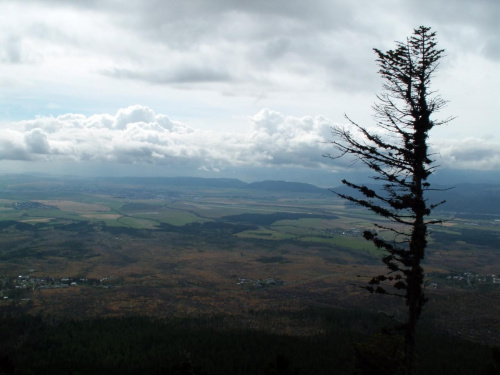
398 154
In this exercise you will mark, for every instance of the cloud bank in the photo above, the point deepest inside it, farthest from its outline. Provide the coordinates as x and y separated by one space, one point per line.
136 135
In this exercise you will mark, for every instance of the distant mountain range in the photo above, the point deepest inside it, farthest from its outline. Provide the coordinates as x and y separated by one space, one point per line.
289 187
461 198
225 183
465 198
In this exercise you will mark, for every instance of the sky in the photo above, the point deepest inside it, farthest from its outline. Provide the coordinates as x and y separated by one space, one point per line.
226 88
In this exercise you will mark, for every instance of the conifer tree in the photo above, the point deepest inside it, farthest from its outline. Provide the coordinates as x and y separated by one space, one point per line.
397 152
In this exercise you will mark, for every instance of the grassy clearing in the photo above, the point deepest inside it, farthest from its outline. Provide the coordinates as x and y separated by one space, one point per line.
218 211
322 240
137 223
265 234
42 220
113 203
103 216
356 243
175 217
77 207
294 230
312 223
353 243
444 230
11 215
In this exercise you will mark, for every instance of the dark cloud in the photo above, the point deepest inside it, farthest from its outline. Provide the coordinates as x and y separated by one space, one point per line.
469 153
271 44
182 75
11 149
260 42
13 50
36 142
472 25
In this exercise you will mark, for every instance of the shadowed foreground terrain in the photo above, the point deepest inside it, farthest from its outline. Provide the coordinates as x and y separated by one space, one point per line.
214 345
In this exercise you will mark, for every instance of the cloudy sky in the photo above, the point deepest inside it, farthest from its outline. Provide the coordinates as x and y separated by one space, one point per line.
245 89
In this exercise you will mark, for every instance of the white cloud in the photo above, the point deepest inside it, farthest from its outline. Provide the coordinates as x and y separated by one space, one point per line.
469 153
137 135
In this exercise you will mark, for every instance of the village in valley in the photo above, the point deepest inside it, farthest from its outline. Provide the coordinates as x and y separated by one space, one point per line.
464 280
20 286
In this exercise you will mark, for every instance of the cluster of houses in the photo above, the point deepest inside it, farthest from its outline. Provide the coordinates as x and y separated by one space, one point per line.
351 232
258 283
31 205
470 278
21 283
